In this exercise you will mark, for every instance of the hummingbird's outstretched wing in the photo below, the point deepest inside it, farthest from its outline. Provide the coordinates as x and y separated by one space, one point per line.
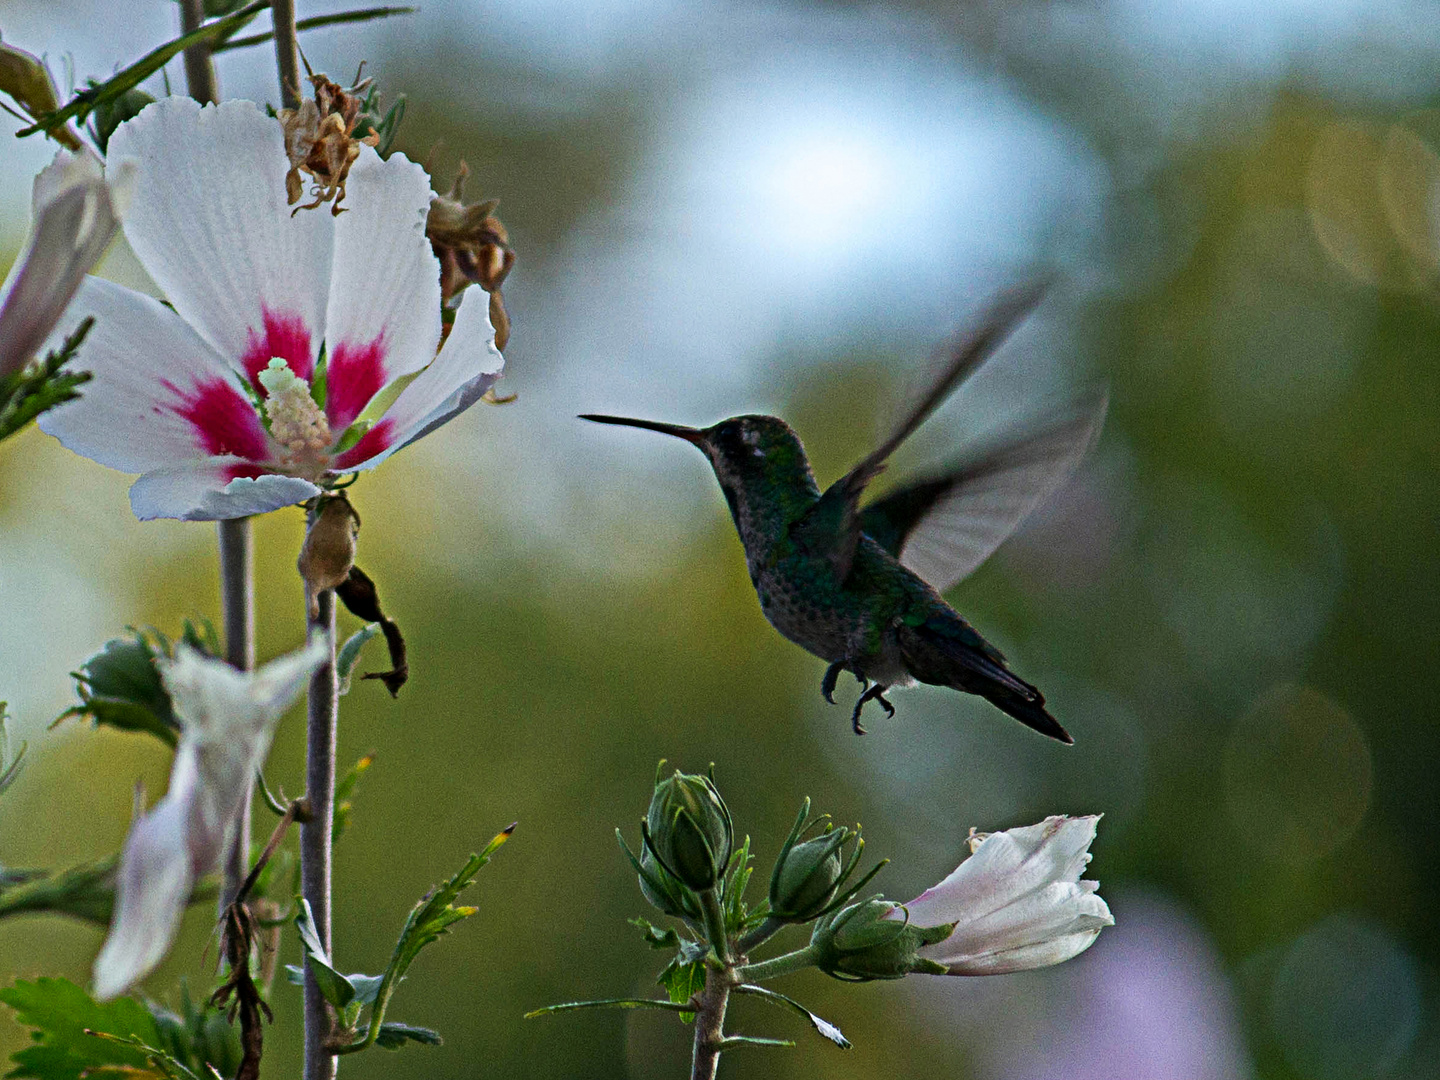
831 528
944 527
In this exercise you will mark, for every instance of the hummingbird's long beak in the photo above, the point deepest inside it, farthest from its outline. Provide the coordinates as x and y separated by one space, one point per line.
680 431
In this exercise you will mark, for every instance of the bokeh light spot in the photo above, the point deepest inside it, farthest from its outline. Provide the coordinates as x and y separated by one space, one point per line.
1345 1004
1297 775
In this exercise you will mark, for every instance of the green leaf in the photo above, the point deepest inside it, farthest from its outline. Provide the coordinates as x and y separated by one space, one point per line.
87 100
655 937
59 1013
735 1042
301 25
27 393
394 1035
161 1064
606 1003
336 988
198 1037
774 997
86 892
343 790
429 919
367 987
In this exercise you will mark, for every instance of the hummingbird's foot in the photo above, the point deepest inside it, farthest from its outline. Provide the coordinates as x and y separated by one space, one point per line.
832 676
874 693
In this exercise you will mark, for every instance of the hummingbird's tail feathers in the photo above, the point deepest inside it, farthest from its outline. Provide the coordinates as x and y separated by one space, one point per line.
1030 712
949 652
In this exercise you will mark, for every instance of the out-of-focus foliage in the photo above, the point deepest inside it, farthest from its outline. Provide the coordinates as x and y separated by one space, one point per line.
1233 609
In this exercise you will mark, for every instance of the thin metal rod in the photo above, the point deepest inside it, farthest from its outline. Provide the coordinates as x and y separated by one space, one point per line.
237 615
199 70
287 52
315 836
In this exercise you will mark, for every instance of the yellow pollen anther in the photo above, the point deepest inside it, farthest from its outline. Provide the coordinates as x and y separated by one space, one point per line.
296 421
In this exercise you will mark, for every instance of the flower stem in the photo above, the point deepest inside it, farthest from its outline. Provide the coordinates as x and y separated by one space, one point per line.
315 836
237 614
287 52
710 1022
779 965
715 923
761 934
199 70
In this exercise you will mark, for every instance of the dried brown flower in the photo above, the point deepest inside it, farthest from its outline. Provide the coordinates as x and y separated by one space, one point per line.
473 247
320 141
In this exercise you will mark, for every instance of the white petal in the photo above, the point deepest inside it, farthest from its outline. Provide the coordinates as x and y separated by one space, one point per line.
74 221
1007 866
152 888
209 490
215 701
210 223
467 366
1017 902
384 315
159 394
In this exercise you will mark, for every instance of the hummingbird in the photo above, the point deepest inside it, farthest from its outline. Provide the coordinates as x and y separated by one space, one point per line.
861 587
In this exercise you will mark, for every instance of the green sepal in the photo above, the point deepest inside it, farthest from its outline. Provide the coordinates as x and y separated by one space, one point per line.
113 113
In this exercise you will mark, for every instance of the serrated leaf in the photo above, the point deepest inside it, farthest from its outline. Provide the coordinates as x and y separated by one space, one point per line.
394 1035
334 987
774 997
343 791
59 1013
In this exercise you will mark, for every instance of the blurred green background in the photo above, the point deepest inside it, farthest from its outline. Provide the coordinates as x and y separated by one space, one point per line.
784 207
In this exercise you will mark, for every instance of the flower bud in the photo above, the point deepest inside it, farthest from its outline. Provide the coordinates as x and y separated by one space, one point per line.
806 877
329 549
688 829
861 944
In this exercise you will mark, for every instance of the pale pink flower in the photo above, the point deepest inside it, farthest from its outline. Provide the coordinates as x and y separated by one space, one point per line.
227 717
1017 902
213 399
75 212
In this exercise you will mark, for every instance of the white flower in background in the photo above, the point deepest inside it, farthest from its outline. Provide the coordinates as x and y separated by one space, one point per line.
226 719
75 212
220 401
1017 902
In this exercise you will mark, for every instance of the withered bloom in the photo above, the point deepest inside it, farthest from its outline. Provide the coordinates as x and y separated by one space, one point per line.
472 246
320 141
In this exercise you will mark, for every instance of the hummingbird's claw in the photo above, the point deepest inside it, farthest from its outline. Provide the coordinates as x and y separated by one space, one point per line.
874 693
832 676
